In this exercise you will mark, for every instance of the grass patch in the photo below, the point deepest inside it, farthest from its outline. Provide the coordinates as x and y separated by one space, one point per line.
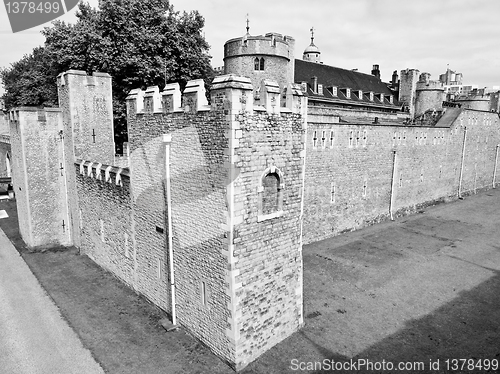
119 327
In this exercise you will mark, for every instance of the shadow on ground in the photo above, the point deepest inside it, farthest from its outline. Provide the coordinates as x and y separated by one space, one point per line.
468 327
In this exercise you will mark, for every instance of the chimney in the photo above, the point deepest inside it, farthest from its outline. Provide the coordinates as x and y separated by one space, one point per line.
376 71
394 80
314 84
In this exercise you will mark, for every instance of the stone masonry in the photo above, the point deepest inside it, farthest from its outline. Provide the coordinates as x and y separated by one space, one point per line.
237 270
357 174
39 176
209 219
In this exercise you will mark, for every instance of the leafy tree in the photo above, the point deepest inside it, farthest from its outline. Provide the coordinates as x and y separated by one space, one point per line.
139 43
30 81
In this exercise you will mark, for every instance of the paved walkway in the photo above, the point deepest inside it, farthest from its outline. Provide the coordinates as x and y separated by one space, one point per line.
33 336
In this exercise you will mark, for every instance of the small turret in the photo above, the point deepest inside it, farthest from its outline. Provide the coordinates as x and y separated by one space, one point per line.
261 57
312 52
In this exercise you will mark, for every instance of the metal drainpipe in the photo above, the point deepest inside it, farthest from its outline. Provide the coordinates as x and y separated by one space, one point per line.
167 139
495 169
391 203
462 166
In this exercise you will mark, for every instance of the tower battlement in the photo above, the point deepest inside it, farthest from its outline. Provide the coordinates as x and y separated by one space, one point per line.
237 92
261 57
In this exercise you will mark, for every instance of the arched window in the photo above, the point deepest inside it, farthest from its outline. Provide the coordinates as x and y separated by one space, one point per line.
8 165
271 184
262 63
256 63
270 194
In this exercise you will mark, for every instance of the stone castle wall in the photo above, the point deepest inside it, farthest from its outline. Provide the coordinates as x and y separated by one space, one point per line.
235 188
476 103
39 176
86 103
268 251
105 216
350 174
217 157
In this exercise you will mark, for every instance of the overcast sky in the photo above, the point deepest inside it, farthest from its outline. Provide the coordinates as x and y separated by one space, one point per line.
395 34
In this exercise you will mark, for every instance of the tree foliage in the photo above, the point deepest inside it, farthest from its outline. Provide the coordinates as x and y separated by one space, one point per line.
138 42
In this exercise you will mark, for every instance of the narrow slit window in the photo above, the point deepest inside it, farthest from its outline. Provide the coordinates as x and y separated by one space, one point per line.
332 139
350 138
332 193
262 63
203 294
323 138
315 139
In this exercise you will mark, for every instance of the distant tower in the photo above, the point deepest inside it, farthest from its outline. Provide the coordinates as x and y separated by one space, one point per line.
261 57
429 94
312 53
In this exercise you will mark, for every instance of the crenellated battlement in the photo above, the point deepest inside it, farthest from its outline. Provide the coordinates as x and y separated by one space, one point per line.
425 83
226 91
106 173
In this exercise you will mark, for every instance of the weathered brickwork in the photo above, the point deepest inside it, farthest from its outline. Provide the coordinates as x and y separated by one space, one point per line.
478 102
429 95
268 252
198 178
481 133
276 50
350 169
105 217
221 264
231 190
407 89
39 176
88 114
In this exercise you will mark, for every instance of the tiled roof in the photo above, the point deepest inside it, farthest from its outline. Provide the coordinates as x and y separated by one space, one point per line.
329 76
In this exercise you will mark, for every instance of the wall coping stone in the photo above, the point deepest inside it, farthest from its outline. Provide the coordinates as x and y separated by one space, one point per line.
112 174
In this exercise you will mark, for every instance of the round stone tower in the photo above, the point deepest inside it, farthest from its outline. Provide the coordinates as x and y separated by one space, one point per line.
476 102
429 94
261 57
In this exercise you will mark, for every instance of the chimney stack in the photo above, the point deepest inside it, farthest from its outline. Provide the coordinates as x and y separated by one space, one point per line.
376 71
314 84
395 79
